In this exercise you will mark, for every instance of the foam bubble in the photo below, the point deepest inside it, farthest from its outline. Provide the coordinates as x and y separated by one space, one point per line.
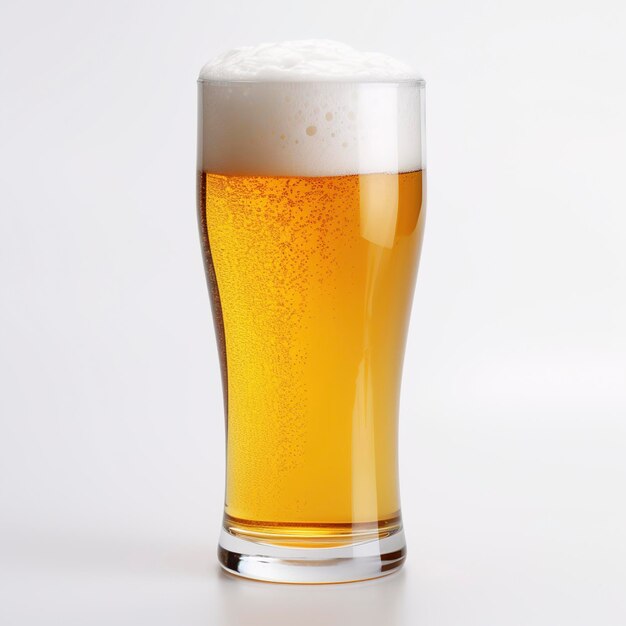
308 108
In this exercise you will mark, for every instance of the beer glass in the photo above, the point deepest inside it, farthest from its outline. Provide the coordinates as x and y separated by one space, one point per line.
311 214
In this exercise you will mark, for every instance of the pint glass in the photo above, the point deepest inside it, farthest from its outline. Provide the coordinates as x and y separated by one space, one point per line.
311 214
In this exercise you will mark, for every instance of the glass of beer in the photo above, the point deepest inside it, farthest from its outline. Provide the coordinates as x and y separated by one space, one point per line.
311 214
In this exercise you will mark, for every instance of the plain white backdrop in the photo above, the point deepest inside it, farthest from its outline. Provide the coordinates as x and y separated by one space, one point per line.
513 416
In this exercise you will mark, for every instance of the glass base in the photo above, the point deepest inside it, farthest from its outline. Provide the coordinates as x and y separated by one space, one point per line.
348 563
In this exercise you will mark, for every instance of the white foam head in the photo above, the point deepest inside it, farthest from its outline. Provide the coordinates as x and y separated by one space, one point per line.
309 108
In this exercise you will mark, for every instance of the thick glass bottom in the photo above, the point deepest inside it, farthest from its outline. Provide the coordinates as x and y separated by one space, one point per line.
360 560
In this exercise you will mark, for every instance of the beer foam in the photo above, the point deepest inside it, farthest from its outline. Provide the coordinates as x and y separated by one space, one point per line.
306 60
309 108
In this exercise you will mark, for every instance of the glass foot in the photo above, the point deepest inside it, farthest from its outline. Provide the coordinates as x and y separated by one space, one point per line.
348 563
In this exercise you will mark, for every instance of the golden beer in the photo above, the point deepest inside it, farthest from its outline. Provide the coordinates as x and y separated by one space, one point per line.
311 280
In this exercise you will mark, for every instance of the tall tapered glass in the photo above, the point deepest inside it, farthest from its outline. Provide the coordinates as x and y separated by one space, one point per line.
311 214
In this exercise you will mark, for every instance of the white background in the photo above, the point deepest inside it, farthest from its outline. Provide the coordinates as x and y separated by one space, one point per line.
513 452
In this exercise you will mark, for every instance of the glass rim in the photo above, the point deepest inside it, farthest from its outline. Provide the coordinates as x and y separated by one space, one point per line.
417 82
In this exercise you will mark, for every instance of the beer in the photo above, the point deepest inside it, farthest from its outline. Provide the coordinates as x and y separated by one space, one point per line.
311 216
314 281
